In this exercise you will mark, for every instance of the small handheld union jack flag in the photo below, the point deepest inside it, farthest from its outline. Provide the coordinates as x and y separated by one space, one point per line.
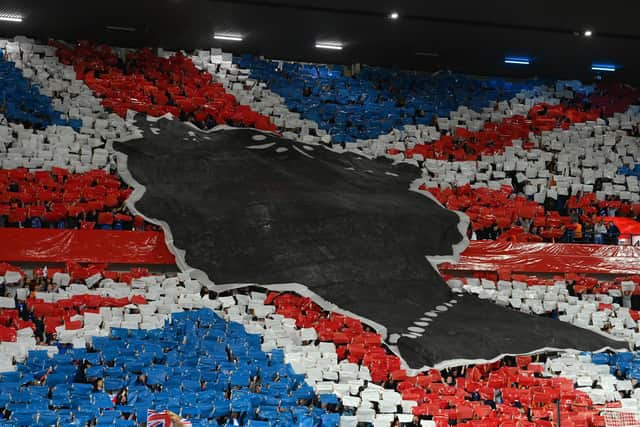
165 419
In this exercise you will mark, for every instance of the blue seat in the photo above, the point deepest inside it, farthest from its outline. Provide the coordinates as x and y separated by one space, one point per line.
24 417
113 384
94 372
101 400
48 418
330 420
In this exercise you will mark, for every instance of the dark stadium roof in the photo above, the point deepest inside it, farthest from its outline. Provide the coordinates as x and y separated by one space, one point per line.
469 36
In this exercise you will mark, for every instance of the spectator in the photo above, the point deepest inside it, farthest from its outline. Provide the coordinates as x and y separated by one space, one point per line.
587 232
613 233
577 231
98 385
611 208
525 223
122 397
599 231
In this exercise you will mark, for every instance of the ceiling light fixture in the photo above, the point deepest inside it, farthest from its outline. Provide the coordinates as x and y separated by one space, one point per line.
517 60
117 28
603 67
427 54
229 37
329 45
394 15
588 33
10 17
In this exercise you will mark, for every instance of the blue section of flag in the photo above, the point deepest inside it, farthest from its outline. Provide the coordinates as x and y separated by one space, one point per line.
22 102
376 100
199 367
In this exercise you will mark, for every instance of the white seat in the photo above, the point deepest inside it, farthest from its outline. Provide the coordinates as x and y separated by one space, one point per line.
348 420
371 395
365 415
383 420
387 407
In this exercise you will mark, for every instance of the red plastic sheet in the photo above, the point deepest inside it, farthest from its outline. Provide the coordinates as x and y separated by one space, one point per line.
625 224
95 246
547 258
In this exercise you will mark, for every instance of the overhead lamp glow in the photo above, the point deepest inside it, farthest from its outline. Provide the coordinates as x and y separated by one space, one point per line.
394 15
588 33
517 60
603 67
118 28
329 45
229 37
10 17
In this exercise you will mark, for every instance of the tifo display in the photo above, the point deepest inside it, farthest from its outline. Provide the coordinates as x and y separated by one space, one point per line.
85 342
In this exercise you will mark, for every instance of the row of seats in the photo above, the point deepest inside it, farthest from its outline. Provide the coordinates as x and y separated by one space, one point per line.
76 273
70 96
122 356
465 145
606 377
435 399
374 101
95 304
198 365
22 102
564 366
250 383
16 283
146 83
500 215
546 172
59 198
80 150
611 98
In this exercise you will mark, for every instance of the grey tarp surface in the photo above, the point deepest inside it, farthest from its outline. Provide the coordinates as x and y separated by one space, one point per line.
340 224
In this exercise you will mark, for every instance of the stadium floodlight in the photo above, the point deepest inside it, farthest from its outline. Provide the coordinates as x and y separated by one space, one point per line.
10 17
229 37
518 60
603 67
329 45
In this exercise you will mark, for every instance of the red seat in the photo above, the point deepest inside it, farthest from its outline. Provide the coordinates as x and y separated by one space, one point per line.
464 413
8 334
105 218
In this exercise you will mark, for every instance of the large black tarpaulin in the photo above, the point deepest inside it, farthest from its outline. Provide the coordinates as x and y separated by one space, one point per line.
277 211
